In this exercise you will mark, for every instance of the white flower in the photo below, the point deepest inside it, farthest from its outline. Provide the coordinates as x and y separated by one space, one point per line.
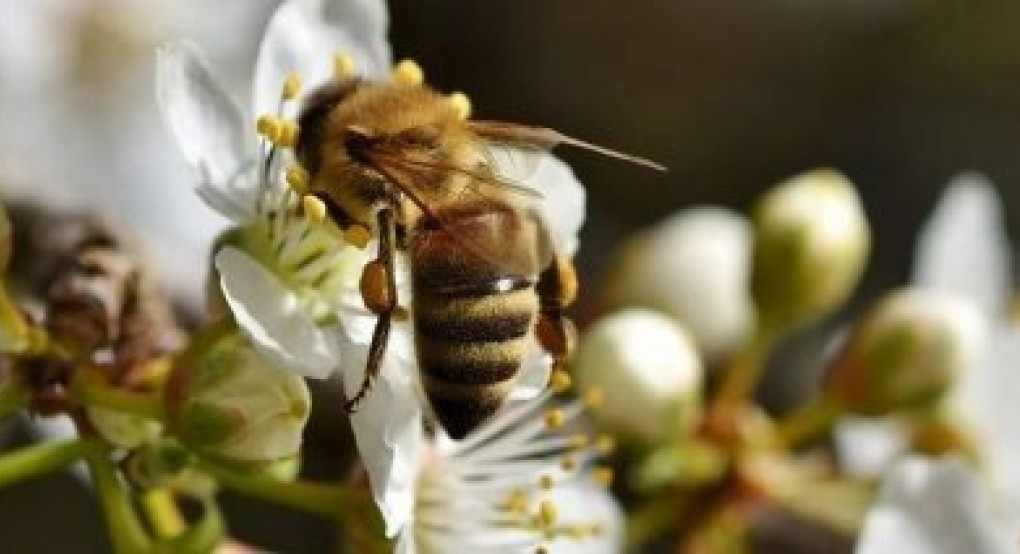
964 251
695 267
291 285
81 126
932 507
518 482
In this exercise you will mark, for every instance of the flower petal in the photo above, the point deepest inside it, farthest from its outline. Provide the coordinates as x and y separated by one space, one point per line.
303 35
868 447
387 426
206 123
563 203
271 316
963 249
931 506
581 502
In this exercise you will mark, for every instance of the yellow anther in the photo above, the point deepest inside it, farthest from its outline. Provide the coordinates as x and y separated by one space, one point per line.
568 464
357 236
288 134
517 503
594 397
315 208
546 514
605 444
578 441
560 381
460 103
408 73
343 65
603 476
269 127
298 178
291 86
546 482
555 418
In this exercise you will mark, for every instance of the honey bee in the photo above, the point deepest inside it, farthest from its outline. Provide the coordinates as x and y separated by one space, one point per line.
406 162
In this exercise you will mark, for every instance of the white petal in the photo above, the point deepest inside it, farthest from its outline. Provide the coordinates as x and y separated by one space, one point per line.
987 398
534 374
388 425
868 447
931 507
271 317
581 502
205 121
303 36
563 203
963 249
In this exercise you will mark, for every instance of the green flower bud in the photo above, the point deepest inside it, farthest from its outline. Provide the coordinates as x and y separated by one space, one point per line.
228 403
906 353
649 369
811 243
122 429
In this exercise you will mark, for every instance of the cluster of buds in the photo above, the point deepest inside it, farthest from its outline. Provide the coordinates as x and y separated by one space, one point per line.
710 290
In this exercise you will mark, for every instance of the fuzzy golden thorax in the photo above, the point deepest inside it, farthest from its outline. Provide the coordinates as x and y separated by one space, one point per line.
379 132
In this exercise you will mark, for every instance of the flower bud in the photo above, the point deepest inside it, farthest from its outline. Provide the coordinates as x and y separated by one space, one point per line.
694 267
122 429
812 240
228 403
649 369
906 353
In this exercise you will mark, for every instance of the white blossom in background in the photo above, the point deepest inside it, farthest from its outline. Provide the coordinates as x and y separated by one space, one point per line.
695 267
928 506
310 317
81 129
964 251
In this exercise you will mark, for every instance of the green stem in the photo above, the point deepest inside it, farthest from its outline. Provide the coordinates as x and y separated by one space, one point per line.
744 373
808 423
325 500
126 532
203 536
165 518
13 397
35 460
91 390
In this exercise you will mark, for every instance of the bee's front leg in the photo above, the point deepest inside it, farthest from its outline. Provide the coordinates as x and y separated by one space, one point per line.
557 290
379 292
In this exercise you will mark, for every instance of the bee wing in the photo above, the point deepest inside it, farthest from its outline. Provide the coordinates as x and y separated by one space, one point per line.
494 217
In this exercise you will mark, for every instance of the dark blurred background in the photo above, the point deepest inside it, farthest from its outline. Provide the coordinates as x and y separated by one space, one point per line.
732 95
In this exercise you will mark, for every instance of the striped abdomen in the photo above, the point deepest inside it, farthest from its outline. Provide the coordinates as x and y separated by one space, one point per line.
474 308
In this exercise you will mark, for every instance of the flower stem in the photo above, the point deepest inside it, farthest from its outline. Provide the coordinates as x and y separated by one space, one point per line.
126 531
89 388
808 422
738 385
161 508
38 459
318 498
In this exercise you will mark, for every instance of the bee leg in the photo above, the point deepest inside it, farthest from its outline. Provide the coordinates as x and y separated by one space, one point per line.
379 292
557 290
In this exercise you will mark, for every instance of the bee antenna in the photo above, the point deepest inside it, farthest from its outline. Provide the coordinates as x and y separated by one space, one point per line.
544 137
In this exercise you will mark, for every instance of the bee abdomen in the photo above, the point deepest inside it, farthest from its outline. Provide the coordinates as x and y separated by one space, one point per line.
470 350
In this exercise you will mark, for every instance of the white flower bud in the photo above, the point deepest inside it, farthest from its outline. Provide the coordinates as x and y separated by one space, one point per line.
811 245
648 368
907 352
124 430
227 402
694 267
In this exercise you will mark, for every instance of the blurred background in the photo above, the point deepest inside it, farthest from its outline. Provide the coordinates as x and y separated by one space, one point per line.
732 95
